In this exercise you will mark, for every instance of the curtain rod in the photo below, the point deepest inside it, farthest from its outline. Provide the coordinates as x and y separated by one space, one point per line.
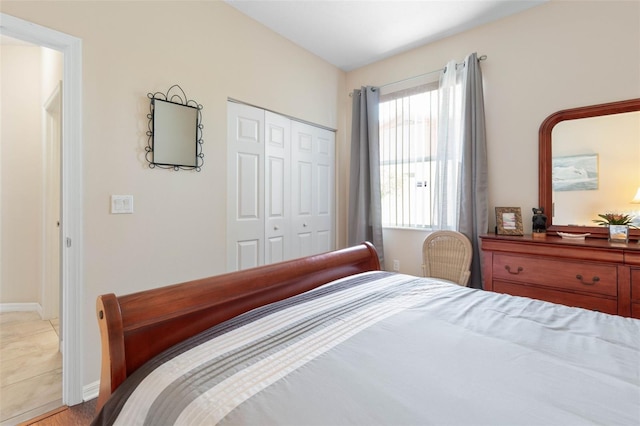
481 58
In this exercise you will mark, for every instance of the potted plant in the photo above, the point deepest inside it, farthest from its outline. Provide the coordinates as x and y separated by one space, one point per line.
618 224
614 219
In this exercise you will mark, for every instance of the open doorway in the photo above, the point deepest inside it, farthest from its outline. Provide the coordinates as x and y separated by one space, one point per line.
71 313
30 209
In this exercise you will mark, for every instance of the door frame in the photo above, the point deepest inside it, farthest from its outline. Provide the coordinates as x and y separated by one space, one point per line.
71 195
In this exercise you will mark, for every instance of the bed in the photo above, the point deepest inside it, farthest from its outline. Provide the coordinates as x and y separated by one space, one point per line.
331 339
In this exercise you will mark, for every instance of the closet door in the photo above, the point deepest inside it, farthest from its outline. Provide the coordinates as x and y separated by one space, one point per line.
312 157
280 188
245 186
277 188
325 190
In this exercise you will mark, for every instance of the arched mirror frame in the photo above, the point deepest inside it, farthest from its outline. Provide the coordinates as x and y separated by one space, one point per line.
545 192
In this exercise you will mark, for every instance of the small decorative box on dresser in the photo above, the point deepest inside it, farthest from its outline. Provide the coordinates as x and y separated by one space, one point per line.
591 273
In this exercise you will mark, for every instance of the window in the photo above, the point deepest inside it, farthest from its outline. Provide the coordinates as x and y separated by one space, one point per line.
408 148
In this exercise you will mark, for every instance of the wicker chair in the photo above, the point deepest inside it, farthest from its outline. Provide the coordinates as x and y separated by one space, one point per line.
447 255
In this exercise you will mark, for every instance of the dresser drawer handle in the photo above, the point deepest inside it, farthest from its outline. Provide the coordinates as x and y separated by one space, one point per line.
508 268
593 280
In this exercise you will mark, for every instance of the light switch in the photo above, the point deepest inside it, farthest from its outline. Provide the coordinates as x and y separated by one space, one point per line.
121 204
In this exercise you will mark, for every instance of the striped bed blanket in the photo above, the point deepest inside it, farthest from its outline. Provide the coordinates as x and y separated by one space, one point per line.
383 348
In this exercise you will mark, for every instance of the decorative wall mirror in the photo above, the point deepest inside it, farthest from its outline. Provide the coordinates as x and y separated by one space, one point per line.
601 141
175 131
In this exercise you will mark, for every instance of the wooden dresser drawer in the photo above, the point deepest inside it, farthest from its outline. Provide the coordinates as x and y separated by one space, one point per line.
635 285
563 271
635 310
595 303
565 275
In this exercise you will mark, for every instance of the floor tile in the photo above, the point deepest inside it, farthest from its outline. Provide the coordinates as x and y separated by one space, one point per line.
32 356
9 317
30 367
17 330
32 344
26 395
55 323
35 412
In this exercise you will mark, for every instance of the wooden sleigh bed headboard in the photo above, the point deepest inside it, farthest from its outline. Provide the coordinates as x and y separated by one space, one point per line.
136 327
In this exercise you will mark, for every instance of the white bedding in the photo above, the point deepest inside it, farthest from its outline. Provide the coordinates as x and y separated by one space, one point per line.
382 348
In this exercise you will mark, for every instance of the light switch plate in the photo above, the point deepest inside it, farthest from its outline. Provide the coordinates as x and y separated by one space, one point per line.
121 204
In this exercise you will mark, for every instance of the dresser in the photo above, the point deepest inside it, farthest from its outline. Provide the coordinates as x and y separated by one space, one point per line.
591 273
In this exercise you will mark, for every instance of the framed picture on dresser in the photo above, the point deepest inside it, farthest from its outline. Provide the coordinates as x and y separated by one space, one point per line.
509 221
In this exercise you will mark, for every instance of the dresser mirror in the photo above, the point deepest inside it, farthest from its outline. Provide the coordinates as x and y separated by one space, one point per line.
589 163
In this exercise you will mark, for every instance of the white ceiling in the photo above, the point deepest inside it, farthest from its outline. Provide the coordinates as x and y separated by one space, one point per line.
353 33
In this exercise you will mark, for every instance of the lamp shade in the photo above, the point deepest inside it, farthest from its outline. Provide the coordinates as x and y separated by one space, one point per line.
636 198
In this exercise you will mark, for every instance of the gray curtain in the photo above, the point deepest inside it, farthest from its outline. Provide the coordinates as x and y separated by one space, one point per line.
365 215
474 216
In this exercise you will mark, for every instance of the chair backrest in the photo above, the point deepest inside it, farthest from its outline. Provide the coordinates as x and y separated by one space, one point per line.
447 255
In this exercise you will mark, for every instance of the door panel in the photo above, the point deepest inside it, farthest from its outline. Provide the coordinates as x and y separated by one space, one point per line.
313 189
275 251
302 192
303 244
248 254
323 193
323 241
51 289
277 188
248 187
325 200
245 187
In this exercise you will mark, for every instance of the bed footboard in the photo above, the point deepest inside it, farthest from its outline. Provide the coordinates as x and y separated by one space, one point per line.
138 326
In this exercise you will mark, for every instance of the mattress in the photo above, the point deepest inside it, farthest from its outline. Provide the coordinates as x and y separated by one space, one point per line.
380 348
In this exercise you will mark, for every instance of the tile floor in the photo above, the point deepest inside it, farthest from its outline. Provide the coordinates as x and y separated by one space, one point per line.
30 367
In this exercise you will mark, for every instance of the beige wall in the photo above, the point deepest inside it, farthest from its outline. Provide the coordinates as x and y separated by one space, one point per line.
51 72
213 52
21 191
555 56
29 76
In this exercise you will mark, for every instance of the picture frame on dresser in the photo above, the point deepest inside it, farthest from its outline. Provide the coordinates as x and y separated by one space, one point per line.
509 221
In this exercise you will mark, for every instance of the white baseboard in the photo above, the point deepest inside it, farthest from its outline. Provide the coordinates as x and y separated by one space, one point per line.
90 391
21 307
